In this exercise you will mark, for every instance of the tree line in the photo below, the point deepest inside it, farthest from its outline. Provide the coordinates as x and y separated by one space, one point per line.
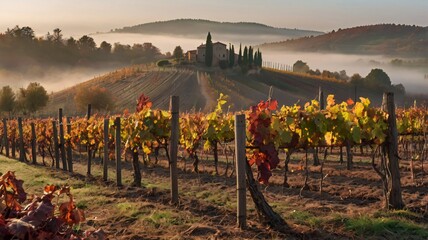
376 80
20 46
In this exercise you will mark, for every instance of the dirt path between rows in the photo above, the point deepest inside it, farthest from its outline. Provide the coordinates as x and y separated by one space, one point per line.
206 91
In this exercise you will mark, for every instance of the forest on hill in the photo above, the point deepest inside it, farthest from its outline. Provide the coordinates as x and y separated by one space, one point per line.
383 39
200 26
21 50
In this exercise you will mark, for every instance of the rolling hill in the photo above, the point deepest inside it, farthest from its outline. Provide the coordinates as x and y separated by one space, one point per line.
198 27
383 39
198 89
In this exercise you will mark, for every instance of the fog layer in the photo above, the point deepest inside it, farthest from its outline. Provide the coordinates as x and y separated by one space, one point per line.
413 79
168 43
56 79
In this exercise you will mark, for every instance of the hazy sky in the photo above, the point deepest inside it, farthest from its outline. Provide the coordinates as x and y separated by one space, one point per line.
78 17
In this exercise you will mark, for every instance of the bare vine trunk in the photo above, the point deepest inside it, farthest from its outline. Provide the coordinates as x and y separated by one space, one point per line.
195 158
136 167
215 149
348 155
287 161
264 210
316 158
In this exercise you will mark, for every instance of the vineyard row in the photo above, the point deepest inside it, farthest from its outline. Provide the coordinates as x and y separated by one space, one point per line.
262 131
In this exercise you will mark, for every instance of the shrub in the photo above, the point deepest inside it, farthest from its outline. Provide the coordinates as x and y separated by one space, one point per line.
163 63
99 98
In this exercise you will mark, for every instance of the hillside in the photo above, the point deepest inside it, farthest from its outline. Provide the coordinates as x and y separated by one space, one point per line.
197 27
384 39
199 88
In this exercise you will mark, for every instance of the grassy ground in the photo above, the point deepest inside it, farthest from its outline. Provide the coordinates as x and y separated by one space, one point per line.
207 206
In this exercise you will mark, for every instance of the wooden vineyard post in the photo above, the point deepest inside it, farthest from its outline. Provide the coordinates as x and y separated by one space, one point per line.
33 143
88 173
118 153
56 150
173 147
322 106
61 140
240 156
348 154
21 141
395 200
69 150
106 158
13 147
5 138
88 115
321 98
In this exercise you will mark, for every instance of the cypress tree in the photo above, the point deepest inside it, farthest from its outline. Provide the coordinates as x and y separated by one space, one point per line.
230 52
245 58
250 56
240 55
209 51
231 55
256 59
260 59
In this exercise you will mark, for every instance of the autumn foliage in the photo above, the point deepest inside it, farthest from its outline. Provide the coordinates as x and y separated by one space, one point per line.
41 218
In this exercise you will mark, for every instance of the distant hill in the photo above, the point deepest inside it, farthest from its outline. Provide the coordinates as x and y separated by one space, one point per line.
196 27
384 39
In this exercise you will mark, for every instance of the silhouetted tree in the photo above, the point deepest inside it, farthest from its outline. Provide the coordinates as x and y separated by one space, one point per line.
209 51
72 43
300 66
121 52
356 79
105 47
245 57
260 58
240 55
250 56
24 33
99 98
57 35
178 53
86 45
231 55
7 99
399 88
377 78
32 98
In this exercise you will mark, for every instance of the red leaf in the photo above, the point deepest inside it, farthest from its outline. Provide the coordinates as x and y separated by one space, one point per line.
350 102
49 189
15 185
143 102
266 158
273 105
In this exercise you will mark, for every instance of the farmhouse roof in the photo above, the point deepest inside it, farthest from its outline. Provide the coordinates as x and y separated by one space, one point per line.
219 43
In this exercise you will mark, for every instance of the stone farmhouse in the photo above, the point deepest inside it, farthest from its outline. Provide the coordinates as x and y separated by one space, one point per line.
220 53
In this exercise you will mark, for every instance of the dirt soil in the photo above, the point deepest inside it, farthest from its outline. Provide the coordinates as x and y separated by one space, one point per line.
207 207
